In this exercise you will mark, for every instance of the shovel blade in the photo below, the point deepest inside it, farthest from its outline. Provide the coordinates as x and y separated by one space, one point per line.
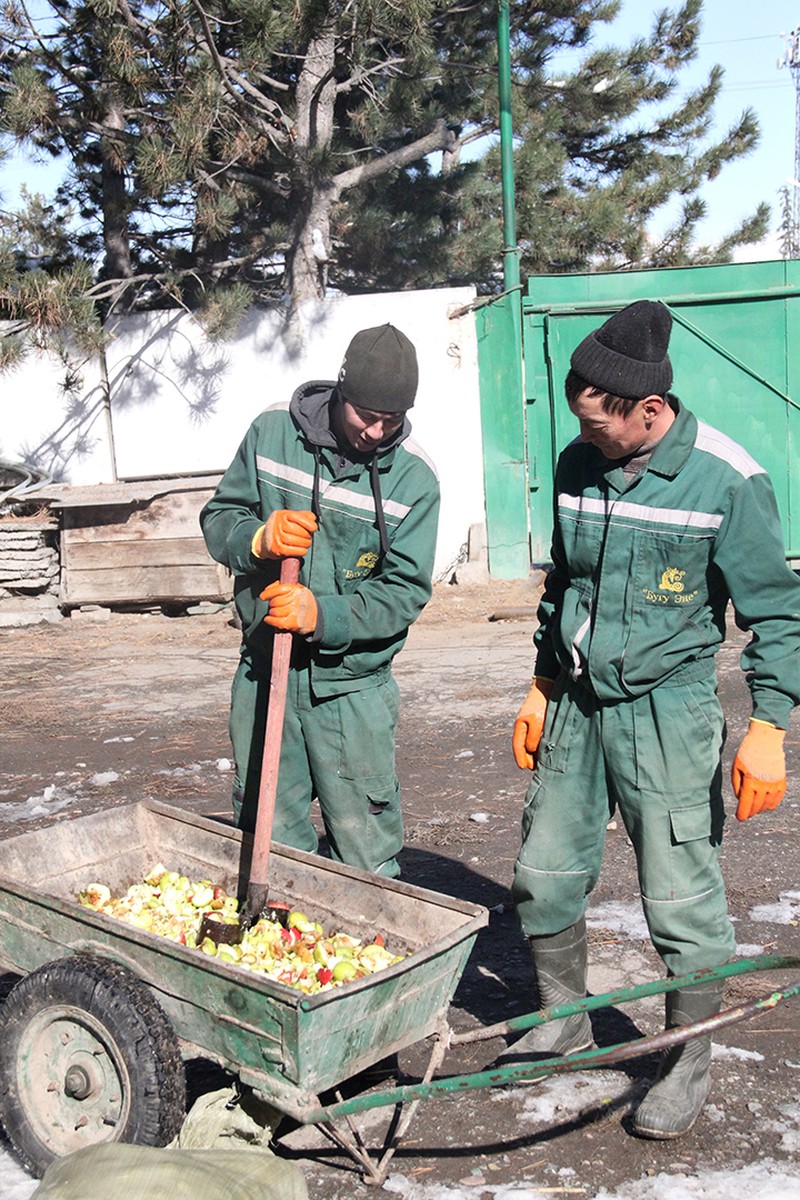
255 905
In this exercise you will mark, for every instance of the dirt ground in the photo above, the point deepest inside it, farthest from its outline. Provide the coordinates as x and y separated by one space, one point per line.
104 709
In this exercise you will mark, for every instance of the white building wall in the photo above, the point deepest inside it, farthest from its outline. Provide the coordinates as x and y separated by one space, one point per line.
181 406
65 435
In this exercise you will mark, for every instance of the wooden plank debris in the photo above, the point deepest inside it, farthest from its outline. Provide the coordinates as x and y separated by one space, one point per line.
137 543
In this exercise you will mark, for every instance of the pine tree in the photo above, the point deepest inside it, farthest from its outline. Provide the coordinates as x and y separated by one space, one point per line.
618 152
226 150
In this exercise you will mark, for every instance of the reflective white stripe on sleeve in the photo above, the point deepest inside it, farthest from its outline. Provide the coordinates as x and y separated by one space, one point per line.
723 447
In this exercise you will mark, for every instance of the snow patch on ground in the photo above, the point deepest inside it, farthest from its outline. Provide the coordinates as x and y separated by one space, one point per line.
104 778
554 1101
182 772
15 1184
785 912
52 800
790 1133
747 950
718 1050
619 917
766 1180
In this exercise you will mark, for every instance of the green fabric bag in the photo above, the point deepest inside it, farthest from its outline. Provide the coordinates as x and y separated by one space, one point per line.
221 1153
117 1171
228 1118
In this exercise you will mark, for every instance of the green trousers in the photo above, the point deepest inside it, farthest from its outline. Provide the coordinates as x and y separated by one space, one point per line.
339 751
657 760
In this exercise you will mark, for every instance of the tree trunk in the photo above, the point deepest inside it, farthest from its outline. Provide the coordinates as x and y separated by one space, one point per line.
306 262
117 263
315 187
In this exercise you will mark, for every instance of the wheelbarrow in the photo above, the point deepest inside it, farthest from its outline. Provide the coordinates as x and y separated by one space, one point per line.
94 1034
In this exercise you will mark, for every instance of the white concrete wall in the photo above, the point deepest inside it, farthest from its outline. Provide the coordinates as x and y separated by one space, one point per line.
66 436
181 406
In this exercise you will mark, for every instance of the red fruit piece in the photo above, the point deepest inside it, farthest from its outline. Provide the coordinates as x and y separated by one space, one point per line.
277 911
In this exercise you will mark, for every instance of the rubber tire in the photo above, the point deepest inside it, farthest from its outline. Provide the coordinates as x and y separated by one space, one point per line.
86 1022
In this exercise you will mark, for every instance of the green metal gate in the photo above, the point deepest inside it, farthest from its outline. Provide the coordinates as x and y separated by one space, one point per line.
735 351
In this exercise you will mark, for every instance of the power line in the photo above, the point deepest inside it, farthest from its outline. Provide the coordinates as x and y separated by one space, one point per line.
791 59
762 37
762 86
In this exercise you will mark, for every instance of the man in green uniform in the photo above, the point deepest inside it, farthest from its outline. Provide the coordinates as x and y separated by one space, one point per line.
333 478
660 521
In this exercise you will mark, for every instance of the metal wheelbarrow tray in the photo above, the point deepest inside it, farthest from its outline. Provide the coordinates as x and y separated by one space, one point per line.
288 1046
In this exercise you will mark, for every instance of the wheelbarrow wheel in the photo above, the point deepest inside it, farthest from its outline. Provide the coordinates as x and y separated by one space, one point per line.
87 1055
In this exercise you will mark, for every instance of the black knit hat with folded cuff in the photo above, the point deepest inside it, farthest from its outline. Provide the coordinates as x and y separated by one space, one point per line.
627 356
380 371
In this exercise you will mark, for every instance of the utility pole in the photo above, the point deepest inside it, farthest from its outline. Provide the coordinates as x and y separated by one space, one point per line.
791 59
510 247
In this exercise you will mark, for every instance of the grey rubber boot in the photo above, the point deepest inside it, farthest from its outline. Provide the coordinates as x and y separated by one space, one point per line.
676 1099
559 961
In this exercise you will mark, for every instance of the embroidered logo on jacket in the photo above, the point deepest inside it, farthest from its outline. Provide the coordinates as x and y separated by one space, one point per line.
672 580
672 584
366 563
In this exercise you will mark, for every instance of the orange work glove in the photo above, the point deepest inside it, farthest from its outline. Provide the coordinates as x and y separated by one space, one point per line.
530 723
759 769
287 534
291 607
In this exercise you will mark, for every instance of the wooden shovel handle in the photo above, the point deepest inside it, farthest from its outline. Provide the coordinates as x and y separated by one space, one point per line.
268 787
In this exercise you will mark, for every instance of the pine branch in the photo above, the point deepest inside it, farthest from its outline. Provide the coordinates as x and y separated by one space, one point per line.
441 137
276 126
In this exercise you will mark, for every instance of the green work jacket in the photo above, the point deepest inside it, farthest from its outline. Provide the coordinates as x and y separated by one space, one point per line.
367 595
643 571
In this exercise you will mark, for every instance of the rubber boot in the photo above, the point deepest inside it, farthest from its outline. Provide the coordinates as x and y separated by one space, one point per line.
676 1099
559 961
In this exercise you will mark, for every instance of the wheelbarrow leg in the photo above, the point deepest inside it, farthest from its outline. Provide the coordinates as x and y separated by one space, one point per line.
375 1170
353 1145
440 1046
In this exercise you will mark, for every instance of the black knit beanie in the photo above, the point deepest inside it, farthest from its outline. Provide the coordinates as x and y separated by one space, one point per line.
379 371
627 356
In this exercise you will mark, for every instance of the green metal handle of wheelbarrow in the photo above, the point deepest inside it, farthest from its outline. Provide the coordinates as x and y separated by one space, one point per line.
740 966
589 1059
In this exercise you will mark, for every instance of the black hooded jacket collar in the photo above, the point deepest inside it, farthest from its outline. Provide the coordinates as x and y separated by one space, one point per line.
311 408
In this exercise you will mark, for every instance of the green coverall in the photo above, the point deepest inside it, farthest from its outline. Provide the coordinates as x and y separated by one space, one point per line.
631 619
369 568
652 759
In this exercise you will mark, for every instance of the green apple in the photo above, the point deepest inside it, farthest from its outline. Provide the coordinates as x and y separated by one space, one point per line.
344 970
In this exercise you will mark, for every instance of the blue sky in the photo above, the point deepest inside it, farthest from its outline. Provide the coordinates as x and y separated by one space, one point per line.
745 38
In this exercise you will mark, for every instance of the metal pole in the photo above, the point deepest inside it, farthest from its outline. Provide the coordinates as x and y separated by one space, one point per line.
510 248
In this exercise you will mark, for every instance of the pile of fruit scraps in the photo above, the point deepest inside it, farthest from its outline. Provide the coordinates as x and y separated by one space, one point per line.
290 949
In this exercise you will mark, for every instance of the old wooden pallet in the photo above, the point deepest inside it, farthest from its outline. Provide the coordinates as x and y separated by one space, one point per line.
137 543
